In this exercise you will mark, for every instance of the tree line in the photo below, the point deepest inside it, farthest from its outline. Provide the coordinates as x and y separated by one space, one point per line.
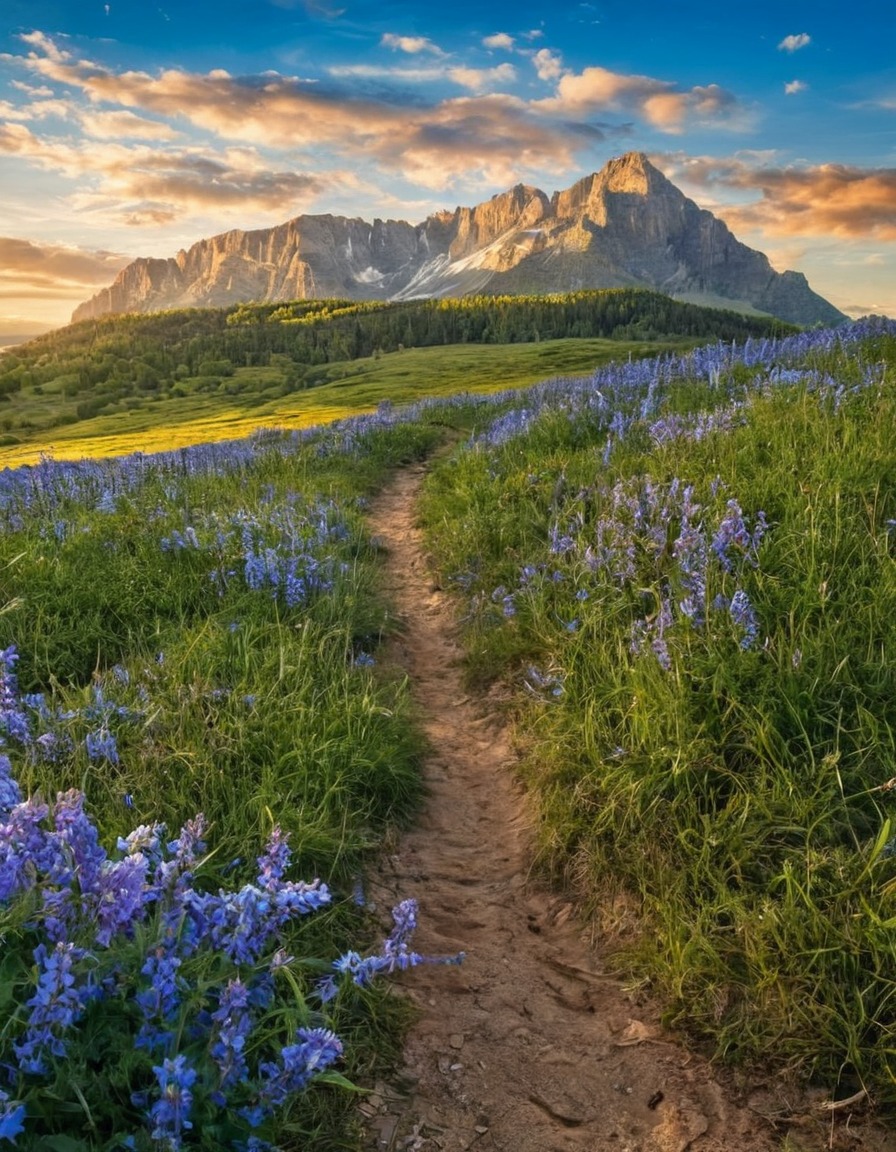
147 351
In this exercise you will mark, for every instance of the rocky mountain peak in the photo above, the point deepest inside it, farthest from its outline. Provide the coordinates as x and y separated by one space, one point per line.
625 226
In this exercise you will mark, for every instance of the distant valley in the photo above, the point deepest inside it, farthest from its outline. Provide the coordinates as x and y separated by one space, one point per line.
626 226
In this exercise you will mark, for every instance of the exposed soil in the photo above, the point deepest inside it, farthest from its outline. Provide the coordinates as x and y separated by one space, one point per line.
530 1045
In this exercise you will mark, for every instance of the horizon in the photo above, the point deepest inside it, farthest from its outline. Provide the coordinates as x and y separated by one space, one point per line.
138 133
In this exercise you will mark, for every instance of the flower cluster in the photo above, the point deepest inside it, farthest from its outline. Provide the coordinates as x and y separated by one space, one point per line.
86 911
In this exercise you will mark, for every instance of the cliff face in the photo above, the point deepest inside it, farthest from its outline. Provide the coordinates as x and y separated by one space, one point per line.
625 226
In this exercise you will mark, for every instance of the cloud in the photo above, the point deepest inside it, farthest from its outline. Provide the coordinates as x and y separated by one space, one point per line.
499 40
660 102
46 45
124 125
489 137
794 43
548 64
141 185
821 200
35 270
36 110
473 79
411 44
795 86
478 79
31 90
425 75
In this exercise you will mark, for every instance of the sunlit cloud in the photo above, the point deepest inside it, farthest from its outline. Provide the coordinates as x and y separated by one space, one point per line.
31 89
410 44
146 186
491 137
548 64
794 43
499 40
30 271
473 79
479 79
36 110
660 102
820 200
46 45
123 125
795 86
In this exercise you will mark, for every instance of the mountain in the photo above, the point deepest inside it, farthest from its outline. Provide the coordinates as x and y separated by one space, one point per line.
626 226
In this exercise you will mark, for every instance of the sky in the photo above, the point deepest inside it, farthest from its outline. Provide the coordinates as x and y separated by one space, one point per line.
136 128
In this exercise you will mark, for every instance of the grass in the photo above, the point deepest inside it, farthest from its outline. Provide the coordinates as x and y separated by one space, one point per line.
707 692
211 410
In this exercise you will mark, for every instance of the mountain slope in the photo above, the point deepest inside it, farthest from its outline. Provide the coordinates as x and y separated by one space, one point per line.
625 226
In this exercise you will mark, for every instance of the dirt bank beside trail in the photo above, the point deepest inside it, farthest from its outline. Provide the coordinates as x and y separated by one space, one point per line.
529 1046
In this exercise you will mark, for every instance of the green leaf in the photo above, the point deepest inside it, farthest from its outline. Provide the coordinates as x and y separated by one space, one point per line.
338 1080
61 1144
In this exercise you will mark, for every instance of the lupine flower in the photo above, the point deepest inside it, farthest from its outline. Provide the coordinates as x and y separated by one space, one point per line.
317 1049
10 794
233 1024
101 745
169 1115
744 617
12 1118
55 1006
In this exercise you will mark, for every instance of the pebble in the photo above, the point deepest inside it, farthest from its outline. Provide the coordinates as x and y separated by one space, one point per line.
456 1040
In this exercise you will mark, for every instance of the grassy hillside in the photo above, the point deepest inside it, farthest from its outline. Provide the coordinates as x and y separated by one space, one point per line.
251 398
204 373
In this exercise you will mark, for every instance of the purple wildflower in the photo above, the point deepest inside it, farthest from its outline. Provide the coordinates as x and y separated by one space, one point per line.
169 1115
12 1118
233 1024
55 1006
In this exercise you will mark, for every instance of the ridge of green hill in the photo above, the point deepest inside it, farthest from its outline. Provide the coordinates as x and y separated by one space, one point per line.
190 364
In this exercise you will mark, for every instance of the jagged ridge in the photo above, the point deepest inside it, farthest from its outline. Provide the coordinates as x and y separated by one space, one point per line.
625 226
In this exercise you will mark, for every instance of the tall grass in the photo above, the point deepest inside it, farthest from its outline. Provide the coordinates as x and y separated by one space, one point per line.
691 579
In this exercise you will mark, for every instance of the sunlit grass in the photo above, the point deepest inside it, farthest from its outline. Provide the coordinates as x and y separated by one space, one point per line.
726 763
342 389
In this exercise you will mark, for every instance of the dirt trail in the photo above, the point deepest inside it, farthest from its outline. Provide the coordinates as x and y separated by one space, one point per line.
529 1046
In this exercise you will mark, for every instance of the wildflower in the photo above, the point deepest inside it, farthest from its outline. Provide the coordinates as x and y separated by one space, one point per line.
744 616
233 1022
275 860
56 1004
10 794
317 1049
101 745
12 1118
169 1114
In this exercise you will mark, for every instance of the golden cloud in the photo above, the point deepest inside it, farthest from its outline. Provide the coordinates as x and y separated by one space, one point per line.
122 124
144 185
824 200
660 102
499 133
54 265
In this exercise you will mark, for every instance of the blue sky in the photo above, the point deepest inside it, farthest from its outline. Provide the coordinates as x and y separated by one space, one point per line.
131 129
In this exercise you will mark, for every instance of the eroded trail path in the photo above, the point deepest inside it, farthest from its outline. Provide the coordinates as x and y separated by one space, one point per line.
529 1046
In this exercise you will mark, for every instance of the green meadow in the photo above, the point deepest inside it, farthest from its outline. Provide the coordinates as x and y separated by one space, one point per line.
679 556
